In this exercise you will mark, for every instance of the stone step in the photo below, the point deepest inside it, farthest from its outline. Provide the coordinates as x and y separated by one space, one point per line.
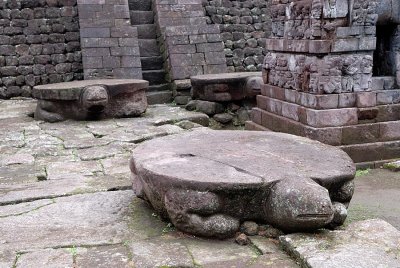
155 77
141 17
149 48
370 152
143 5
147 31
152 63
159 97
158 88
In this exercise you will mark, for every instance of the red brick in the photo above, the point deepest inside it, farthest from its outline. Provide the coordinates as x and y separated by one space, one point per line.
389 131
347 100
331 135
360 134
256 116
277 92
290 110
366 99
261 102
330 118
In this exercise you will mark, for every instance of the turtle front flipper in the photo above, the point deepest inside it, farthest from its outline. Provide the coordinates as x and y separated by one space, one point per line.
298 204
341 196
48 111
198 213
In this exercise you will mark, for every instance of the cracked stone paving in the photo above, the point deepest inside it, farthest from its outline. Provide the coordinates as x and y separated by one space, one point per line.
66 199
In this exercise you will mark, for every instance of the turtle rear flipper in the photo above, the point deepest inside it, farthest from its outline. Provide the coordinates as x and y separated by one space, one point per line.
199 213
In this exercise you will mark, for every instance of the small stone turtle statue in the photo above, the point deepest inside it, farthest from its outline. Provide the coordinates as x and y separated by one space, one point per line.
208 182
91 99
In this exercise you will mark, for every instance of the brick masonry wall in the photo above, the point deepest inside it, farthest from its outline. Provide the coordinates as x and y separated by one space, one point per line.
39 44
110 47
244 25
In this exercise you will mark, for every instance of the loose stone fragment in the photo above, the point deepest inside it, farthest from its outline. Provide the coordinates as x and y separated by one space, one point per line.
242 239
223 118
249 228
271 232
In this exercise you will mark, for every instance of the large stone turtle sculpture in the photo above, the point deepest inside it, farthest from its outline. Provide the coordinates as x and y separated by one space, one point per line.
207 182
91 99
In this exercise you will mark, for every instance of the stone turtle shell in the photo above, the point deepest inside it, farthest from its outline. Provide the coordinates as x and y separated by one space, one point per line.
72 90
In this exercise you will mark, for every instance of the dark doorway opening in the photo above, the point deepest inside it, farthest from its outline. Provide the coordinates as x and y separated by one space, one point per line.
384 55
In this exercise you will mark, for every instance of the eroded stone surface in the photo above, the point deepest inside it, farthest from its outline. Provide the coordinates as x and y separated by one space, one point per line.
104 257
224 252
98 219
46 258
92 227
91 99
370 243
207 188
44 160
160 252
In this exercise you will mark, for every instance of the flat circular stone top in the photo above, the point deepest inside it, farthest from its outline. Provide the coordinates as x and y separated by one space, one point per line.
205 159
221 78
72 90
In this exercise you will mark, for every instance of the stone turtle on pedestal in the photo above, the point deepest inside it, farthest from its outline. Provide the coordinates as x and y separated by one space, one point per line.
226 86
91 99
207 182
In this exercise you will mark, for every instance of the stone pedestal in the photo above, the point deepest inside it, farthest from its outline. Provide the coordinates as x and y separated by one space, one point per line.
318 79
91 99
226 86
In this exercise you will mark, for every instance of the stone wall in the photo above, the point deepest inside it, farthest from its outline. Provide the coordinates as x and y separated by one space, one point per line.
189 46
244 25
39 44
110 45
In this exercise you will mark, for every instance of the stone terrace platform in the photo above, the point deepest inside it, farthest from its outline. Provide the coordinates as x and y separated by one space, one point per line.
66 201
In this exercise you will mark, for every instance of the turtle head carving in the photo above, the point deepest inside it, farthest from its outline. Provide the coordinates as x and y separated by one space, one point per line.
298 203
94 99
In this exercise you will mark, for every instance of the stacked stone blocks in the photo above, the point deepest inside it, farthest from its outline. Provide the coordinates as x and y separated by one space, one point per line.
110 46
39 44
189 46
244 26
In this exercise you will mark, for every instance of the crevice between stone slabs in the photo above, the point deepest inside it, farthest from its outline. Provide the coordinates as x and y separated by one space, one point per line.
285 246
52 202
31 199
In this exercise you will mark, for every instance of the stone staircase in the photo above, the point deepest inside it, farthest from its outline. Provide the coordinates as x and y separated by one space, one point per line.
142 17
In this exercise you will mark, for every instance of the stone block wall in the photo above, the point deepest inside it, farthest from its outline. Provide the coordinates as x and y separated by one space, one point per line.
244 26
110 47
321 48
39 44
189 45
318 78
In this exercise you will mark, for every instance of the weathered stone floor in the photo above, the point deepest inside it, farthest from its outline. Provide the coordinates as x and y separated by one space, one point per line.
65 199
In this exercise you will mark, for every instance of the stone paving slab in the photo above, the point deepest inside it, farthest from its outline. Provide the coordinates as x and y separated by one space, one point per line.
117 256
365 244
87 219
65 198
377 195
46 258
